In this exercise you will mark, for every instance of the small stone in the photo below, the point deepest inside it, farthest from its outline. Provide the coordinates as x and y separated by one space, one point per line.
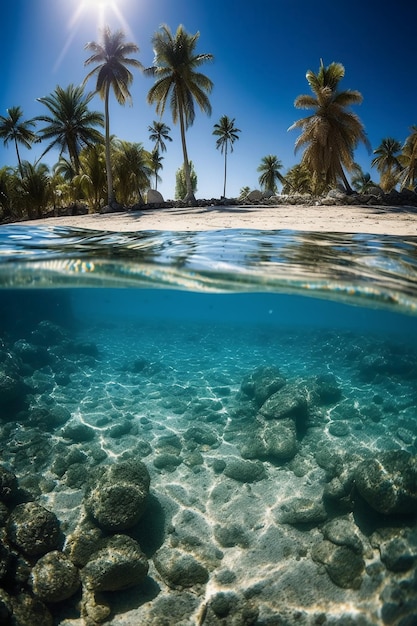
54 578
245 471
179 569
33 529
302 511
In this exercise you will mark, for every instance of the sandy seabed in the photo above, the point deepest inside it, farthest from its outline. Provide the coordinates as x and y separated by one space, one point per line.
379 220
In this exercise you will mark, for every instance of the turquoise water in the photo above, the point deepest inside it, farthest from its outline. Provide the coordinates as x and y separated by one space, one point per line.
267 382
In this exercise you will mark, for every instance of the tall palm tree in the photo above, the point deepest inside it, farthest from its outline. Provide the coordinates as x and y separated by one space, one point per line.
13 128
387 162
269 168
70 125
36 188
92 177
362 181
178 82
112 61
332 132
227 134
408 159
159 133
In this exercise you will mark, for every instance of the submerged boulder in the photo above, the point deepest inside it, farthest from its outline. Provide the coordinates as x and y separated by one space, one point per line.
54 577
118 564
388 482
118 499
179 569
33 529
274 440
262 383
290 401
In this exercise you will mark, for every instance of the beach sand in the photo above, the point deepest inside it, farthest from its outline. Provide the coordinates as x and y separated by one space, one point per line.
394 220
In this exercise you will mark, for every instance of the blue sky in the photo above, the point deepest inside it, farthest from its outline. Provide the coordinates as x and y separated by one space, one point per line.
261 50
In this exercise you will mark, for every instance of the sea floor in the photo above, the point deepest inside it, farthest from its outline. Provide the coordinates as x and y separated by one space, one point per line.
177 396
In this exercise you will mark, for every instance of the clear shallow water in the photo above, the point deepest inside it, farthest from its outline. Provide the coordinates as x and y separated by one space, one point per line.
178 369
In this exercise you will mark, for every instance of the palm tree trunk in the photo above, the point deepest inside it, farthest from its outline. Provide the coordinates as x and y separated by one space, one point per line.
189 197
345 181
225 171
18 159
110 195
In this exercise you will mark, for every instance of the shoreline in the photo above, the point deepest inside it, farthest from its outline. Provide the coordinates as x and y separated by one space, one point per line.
372 219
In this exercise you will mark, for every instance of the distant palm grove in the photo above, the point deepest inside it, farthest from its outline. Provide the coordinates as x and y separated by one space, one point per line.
97 169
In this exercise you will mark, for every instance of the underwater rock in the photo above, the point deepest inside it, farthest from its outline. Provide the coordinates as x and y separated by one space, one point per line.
35 356
78 432
245 471
48 334
397 547
230 608
327 388
339 429
275 440
13 392
201 435
54 577
118 564
6 608
167 461
290 401
8 484
262 383
179 569
342 531
94 608
33 529
231 535
83 542
5 561
388 483
302 511
344 566
29 611
119 498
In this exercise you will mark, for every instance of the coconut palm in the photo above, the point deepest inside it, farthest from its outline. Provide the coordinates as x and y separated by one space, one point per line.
13 128
111 59
132 171
298 179
35 187
159 133
362 181
269 168
179 83
387 162
8 191
91 180
70 123
156 165
330 135
408 160
227 134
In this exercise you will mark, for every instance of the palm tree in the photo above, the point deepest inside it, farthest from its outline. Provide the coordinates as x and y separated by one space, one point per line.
92 178
159 133
178 82
36 187
362 181
226 132
70 125
269 168
298 179
408 159
387 162
331 133
111 57
156 165
132 170
13 128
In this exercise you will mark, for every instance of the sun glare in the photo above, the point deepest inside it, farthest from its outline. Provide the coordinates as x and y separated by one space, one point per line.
98 13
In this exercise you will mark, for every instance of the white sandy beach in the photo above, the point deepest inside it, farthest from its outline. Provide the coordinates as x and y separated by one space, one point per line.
382 220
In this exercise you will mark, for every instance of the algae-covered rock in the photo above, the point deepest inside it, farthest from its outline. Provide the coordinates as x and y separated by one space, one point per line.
33 529
290 401
388 482
118 498
344 566
302 511
245 471
118 564
275 440
54 577
29 611
8 484
262 383
327 388
231 608
179 569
